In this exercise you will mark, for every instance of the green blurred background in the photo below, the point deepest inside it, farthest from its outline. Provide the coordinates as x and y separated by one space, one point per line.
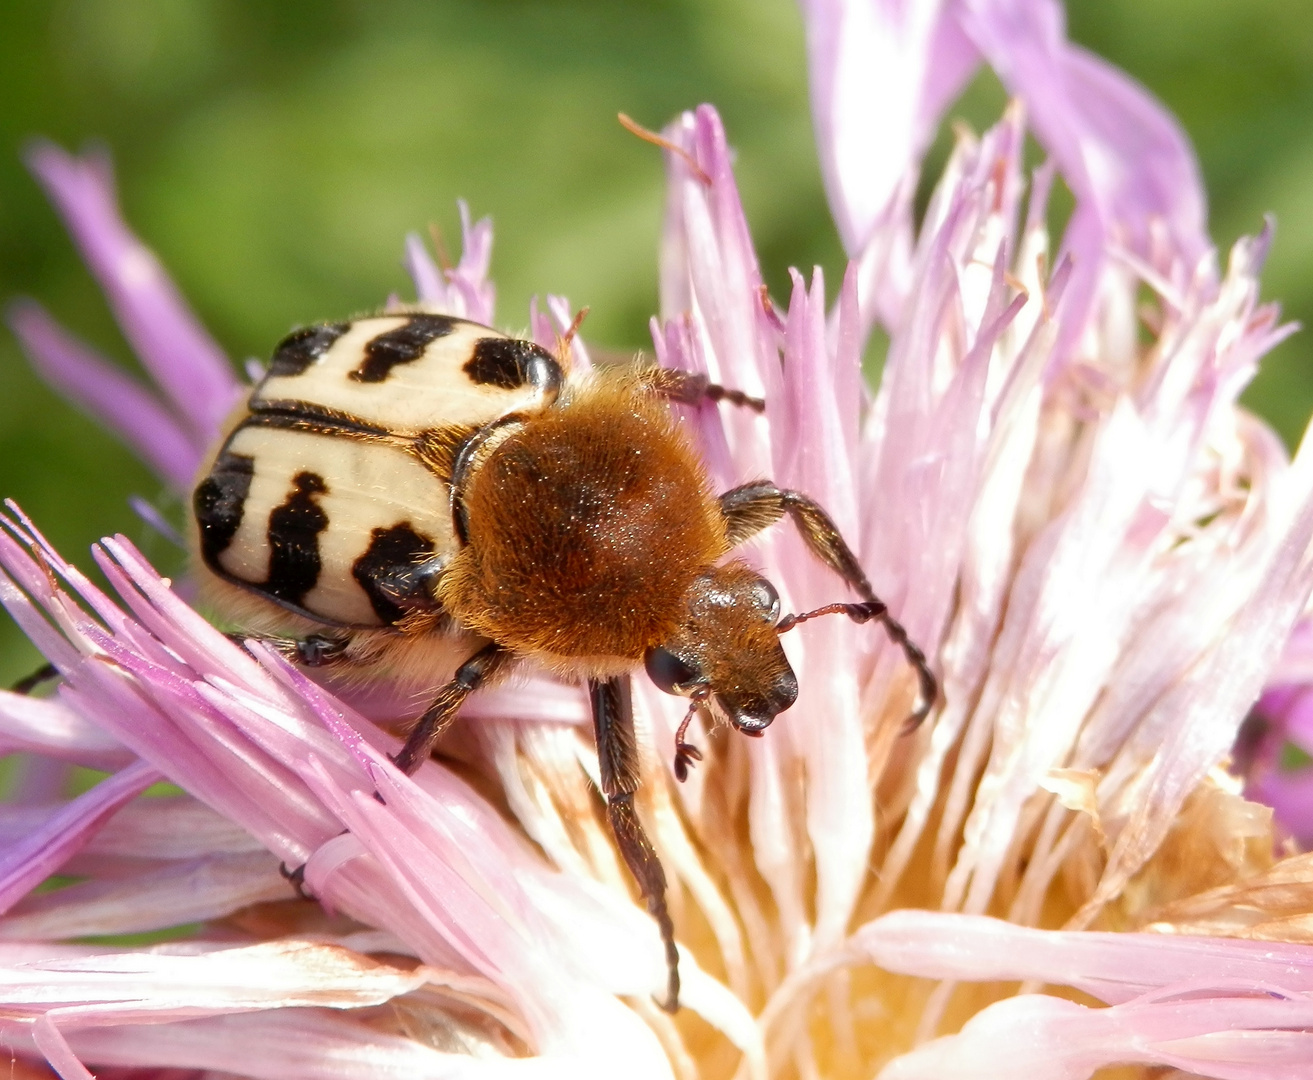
275 154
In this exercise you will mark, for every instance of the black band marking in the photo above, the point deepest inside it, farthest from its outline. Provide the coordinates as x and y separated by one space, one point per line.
219 502
294 528
395 572
316 419
509 363
300 349
404 345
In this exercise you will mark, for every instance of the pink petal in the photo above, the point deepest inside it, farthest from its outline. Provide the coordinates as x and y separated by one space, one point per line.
175 894
49 726
463 290
1123 154
300 1044
423 271
1290 795
26 864
180 355
1046 1038
121 403
881 73
1113 967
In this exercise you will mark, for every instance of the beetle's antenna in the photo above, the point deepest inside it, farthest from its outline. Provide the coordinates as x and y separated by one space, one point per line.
876 609
685 752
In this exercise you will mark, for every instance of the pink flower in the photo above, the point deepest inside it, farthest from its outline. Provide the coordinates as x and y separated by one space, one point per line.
1053 488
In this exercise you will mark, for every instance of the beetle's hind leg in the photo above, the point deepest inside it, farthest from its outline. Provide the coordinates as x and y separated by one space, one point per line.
45 673
752 507
617 761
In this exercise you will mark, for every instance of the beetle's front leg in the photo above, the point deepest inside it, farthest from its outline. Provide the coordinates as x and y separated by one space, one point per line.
752 507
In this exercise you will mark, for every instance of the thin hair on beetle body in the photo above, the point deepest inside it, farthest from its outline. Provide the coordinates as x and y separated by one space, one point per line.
419 498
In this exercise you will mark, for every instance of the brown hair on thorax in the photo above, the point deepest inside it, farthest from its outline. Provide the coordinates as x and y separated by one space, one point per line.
568 513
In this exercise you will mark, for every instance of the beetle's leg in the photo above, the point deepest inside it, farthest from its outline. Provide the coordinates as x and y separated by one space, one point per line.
685 752
875 609
44 673
314 650
617 761
752 507
688 388
295 878
438 717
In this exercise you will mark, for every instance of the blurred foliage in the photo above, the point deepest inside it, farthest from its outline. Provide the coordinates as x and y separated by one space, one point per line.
276 154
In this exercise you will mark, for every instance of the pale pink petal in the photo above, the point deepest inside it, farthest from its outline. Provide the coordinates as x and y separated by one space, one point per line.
423 272
1124 156
25 864
1045 1038
180 355
1113 967
175 894
463 290
309 1044
118 401
1296 663
470 276
709 267
1207 1005
144 833
173 980
48 726
881 73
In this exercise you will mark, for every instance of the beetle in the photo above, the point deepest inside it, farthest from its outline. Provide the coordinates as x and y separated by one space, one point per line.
415 496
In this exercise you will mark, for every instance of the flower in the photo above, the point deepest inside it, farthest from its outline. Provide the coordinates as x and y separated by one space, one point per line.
1053 488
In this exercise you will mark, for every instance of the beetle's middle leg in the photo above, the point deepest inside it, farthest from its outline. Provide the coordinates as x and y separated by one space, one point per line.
472 674
688 388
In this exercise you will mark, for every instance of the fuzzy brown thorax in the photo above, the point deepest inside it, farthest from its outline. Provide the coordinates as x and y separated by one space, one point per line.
587 525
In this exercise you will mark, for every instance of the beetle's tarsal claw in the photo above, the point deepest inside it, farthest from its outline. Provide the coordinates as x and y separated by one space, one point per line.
686 754
296 878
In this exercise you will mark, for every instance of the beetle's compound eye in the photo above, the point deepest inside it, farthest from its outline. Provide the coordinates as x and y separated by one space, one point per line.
766 599
668 671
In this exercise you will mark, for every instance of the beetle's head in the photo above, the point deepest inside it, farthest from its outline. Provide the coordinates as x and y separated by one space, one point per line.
727 647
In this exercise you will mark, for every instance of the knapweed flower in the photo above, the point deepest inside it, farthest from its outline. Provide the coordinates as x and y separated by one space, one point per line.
1054 489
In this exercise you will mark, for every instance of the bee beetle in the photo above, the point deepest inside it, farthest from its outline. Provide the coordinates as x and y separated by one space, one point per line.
420 497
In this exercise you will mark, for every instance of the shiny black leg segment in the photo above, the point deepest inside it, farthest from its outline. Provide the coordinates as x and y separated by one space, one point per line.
438 717
752 507
687 388
617 760
317 650
296 878
43 674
